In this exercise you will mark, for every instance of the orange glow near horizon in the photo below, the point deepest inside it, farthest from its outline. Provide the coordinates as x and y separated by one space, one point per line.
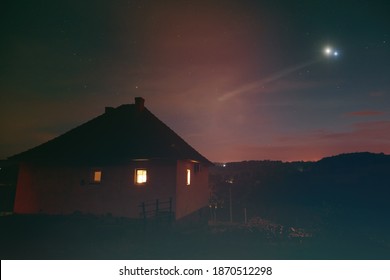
226 76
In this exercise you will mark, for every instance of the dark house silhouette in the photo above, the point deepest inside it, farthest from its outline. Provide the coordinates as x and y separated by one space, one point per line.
110 165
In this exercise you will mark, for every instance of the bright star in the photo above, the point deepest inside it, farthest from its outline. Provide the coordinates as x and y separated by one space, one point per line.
329 51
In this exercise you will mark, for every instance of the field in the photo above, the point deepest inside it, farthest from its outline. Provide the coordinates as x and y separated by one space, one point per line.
89 237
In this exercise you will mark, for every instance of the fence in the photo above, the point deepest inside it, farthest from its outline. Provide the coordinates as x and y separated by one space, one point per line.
159 211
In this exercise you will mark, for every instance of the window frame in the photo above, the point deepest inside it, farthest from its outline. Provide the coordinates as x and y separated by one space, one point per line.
93 180
188 177
197 167
136 176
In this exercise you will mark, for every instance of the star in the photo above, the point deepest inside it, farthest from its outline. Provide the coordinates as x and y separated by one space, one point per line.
329 51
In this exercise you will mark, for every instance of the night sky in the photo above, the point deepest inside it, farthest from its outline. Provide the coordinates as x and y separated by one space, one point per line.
238 80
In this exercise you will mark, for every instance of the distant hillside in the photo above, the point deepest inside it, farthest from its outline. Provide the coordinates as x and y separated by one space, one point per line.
355 160
346 183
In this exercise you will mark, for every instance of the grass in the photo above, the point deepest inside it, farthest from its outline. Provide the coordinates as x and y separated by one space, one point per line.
90 237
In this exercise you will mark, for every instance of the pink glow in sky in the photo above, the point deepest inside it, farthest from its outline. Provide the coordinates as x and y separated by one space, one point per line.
238 80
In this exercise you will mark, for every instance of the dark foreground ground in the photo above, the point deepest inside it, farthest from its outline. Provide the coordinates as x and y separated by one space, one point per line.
88 237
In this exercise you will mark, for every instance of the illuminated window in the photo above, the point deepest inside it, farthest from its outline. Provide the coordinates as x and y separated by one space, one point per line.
96 176
140 176
188 177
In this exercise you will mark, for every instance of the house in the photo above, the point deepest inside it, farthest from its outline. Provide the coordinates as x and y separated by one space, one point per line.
8 177
110 165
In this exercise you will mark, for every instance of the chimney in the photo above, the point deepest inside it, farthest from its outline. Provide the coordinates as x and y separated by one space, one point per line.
139 104
109 109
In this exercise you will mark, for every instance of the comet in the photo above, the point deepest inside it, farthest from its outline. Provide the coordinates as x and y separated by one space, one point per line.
267 80
328 51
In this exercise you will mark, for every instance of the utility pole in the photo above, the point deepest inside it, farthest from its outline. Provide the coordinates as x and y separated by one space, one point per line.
230 204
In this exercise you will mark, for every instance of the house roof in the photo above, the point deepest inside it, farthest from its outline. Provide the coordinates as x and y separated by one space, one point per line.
129 131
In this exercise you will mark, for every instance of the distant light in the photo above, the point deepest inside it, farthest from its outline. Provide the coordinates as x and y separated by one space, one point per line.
336 53
224 165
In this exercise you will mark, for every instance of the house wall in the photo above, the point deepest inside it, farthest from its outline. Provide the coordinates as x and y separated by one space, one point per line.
58 189
195 196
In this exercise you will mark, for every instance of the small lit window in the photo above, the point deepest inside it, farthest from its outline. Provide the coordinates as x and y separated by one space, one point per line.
96 176
188 177
140 176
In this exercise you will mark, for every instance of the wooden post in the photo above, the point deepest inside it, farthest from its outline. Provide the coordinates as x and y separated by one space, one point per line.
144 215
156 207
170 205
230 204
143 210
170 217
